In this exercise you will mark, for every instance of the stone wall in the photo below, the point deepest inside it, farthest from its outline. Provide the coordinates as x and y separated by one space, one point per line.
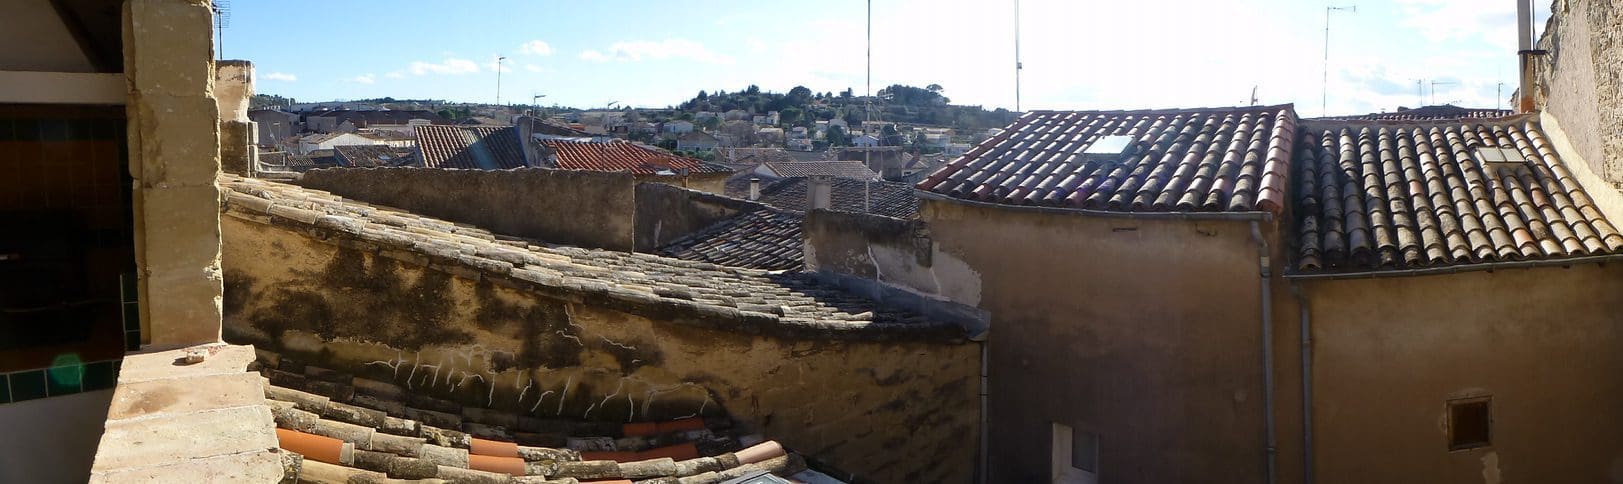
666 212
892 260
587 209
1577 81
174 151
888 411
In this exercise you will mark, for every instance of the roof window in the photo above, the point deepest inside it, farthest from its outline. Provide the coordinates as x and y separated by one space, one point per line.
1113 148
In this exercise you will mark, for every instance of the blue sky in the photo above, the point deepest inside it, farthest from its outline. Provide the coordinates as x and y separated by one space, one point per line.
1077 54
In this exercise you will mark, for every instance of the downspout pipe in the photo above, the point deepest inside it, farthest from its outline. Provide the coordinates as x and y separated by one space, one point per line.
985 438
1264 273
1307 381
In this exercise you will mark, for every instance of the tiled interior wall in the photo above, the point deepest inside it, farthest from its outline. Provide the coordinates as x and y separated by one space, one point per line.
66 247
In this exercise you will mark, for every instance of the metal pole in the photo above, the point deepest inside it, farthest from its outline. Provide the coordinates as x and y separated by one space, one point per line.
1017 65
1324 89
499 60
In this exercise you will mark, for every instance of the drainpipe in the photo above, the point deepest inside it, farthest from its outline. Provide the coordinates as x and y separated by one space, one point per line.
1307 382
1263 272
985 391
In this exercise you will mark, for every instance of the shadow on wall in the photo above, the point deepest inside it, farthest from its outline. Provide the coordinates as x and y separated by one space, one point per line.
70 428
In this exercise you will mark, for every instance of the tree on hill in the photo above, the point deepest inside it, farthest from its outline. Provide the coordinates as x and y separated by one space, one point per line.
837 137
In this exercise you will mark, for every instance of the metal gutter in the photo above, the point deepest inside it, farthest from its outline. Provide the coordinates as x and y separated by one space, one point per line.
1271 445
1251 215
1483 266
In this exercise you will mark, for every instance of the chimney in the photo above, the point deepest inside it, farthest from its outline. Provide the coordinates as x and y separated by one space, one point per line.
1524 29
755 188
526 141
819 192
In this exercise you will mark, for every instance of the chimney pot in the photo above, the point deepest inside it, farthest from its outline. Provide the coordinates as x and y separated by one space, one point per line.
755 188
819 192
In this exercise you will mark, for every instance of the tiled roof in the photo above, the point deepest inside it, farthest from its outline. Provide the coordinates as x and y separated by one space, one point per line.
1222 159
837 169
470 147
890 199
760 239
1381 195
381 117
1427 113
369 156
725 298
749 157
621 156
352 429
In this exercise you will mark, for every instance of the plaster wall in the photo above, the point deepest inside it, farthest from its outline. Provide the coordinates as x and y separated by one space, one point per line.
1142 332
587 209
1577 80
1542 343
50 45
896 411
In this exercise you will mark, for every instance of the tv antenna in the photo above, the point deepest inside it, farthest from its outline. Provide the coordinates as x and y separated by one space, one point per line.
1017 65
1324 89
222 19
1253 95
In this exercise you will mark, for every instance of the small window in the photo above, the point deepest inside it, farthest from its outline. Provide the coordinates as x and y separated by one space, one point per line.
1075 456
1488 154
1470 423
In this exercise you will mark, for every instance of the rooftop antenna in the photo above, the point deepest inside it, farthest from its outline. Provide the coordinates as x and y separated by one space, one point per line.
1434 89
1324 90
499 60
1499 97
1017 64
1419 93
1253 95
867 152
222 19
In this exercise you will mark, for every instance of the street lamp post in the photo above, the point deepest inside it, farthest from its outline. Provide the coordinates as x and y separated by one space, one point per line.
499 60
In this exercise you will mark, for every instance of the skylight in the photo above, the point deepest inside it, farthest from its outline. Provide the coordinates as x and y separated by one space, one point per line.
1493 155
1114 145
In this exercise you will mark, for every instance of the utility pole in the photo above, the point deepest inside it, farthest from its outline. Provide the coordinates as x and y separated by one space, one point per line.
499 60
1017 64
867 101
1324 89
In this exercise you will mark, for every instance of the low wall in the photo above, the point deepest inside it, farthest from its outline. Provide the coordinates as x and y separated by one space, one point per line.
887 259
587 209
888 411
666 213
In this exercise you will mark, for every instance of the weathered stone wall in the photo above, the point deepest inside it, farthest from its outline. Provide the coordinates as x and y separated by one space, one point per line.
1542 343
897 411
174 151
892 260
233 88
581 208
1578 82
666 212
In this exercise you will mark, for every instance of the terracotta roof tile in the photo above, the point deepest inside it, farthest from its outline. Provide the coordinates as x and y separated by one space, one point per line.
470 147
760 239
1427 113
371 156
837 169
349 428
890 199
1187 160
1391 195
621 156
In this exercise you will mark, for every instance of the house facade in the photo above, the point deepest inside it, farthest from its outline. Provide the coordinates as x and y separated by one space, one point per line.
696 141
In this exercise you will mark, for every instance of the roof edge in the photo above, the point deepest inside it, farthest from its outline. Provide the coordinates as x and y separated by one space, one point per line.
1257 215
1454 268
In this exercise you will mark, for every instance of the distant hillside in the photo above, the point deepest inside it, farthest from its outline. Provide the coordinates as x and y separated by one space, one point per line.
897 103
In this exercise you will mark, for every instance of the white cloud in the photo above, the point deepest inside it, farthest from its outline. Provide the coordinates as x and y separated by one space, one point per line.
534 68
638 50
364 79
535 47
395 74
755 46
451 66
279 76
492 65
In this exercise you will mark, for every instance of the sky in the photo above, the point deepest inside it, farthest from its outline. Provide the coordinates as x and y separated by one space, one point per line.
1077 54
